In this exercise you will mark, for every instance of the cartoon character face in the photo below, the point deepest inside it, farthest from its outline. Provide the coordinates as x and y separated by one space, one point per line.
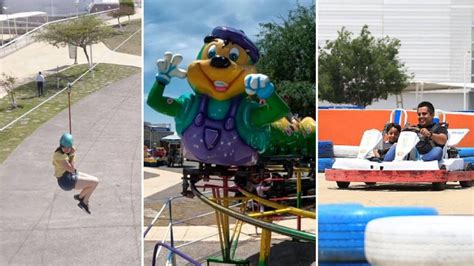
220 69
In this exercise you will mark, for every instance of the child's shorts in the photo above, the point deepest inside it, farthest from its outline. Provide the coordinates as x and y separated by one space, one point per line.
67 181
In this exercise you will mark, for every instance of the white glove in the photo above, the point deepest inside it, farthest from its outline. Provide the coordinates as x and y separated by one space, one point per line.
168 68
259 84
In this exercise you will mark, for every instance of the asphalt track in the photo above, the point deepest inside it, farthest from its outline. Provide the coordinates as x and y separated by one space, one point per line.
41 224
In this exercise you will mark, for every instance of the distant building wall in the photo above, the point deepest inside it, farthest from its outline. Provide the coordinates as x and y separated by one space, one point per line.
153 133
436 35
443 101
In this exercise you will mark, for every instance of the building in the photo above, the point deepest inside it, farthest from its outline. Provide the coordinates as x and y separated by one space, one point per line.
55 8
437 38
153 133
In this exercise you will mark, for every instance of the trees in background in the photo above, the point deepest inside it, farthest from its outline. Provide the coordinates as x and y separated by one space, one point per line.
360 70
126 8
80 32
8 84
288 57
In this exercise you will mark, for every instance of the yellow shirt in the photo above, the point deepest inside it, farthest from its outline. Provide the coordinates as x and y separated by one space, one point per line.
58 167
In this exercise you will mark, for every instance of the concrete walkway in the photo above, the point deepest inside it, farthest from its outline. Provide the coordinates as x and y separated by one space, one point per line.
41 224
25 63
162 181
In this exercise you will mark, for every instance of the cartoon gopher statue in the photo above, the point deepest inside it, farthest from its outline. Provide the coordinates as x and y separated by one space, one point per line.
220 123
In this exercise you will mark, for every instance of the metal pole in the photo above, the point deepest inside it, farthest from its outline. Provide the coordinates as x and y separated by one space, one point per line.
69 104
464 81
9 30
57 77
298 195
92 70
173 257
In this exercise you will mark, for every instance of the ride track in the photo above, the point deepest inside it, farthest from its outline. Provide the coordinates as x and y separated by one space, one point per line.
293 233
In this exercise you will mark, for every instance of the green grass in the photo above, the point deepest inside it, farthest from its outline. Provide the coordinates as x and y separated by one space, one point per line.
26 98
132 46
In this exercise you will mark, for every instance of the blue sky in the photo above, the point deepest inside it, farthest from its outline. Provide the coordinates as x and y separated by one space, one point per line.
180 26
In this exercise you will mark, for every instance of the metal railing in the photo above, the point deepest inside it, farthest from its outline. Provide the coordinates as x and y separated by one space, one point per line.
175 251
27 38
91 69
169 230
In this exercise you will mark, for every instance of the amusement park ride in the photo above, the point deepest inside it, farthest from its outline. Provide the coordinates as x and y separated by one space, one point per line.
407 167
235 126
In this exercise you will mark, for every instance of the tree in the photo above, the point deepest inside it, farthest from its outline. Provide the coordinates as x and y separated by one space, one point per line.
8 83
360 70
288 52
81 32
126 8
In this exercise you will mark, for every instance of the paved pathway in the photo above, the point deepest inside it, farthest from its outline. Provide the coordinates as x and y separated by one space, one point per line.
41 224
453 200
25 63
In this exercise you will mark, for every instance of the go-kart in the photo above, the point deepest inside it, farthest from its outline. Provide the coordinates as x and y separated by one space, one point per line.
407 167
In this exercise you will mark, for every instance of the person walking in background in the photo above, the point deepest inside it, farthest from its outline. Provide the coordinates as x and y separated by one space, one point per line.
40 83
67 175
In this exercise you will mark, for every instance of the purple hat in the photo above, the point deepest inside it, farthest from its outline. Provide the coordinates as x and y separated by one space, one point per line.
236 36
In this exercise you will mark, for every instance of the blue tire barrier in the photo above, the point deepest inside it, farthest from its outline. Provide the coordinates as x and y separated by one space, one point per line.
344 264
341 229
325 149
466 152
324 163
468 160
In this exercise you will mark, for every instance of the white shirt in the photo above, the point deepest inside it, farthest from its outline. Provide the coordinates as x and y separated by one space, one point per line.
39 78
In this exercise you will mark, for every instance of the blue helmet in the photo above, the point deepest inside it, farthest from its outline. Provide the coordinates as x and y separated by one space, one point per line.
66 140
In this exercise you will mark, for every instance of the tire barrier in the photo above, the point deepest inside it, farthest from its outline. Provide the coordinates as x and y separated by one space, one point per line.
420 240
468 160
345 151
341 228
324 163
325 149
466 152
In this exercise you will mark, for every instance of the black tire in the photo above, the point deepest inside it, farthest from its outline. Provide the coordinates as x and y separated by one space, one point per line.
465 183
439 186
370 183
342 184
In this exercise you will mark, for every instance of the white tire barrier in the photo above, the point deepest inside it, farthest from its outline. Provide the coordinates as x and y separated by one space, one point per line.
420 240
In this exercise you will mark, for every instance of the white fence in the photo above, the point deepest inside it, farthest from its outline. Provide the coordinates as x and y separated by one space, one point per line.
28 38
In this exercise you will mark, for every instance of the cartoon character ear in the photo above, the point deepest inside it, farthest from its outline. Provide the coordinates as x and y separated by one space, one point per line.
209 38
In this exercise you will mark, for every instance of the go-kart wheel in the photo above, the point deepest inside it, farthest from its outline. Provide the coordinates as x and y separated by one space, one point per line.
439 186
342 184
469 167
370 183
420 240
465 183
341 228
